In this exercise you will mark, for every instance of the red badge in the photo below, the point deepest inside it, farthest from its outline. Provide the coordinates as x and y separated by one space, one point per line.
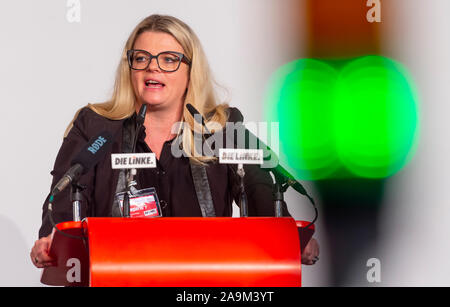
143 206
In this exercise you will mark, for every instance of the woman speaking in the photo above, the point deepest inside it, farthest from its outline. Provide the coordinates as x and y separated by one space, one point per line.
164 67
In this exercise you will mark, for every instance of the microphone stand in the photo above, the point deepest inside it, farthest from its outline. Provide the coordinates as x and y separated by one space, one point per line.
76 198
130 188
282 183
280 186
243 204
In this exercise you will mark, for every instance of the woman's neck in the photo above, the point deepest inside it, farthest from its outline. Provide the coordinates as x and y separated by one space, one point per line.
158 125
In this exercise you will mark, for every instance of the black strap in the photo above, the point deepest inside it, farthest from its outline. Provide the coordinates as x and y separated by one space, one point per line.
202 189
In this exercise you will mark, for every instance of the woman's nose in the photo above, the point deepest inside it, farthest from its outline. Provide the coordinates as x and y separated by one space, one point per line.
153 66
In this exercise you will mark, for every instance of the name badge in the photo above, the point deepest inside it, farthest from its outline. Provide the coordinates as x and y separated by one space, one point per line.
240 156
143 206
133 160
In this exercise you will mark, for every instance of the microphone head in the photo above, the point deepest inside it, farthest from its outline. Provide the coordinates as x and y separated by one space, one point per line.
94 151
192 110
197 117
141 115
234 115
195 114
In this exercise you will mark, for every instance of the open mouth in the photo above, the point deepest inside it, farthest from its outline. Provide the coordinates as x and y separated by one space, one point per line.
153 84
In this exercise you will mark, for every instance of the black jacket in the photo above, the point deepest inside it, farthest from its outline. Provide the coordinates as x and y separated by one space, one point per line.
176 187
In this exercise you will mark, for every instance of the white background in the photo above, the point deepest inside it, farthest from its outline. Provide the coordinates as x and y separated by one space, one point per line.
50 68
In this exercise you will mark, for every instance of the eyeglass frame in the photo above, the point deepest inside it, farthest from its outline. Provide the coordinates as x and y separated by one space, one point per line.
183 59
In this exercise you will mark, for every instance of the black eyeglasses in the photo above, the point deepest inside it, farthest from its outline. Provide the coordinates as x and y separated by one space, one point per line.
168 61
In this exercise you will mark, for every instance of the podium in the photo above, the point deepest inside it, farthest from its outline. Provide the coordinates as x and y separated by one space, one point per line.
179 252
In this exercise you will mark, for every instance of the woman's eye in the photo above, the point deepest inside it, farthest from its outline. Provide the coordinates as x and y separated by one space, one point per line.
140 59
170 59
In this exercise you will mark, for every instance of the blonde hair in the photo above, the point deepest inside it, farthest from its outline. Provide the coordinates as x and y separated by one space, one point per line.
200 92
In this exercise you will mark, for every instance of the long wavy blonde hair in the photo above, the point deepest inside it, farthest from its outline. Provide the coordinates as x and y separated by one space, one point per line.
200 93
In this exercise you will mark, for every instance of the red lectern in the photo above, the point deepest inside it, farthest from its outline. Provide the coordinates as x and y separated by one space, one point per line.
182 252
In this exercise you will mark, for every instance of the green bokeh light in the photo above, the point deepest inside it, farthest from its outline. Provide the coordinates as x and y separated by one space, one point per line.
360 120
375 117
302 102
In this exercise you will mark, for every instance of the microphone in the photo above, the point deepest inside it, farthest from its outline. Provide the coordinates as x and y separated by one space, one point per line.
87 158
141 115
140 119
280 173
197 116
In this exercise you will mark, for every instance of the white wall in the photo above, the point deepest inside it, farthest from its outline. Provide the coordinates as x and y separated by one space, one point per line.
416 218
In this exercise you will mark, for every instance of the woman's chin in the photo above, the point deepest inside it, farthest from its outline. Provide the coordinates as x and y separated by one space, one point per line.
153 102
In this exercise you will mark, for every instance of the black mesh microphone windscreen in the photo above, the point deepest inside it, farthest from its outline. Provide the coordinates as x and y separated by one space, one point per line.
94 151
